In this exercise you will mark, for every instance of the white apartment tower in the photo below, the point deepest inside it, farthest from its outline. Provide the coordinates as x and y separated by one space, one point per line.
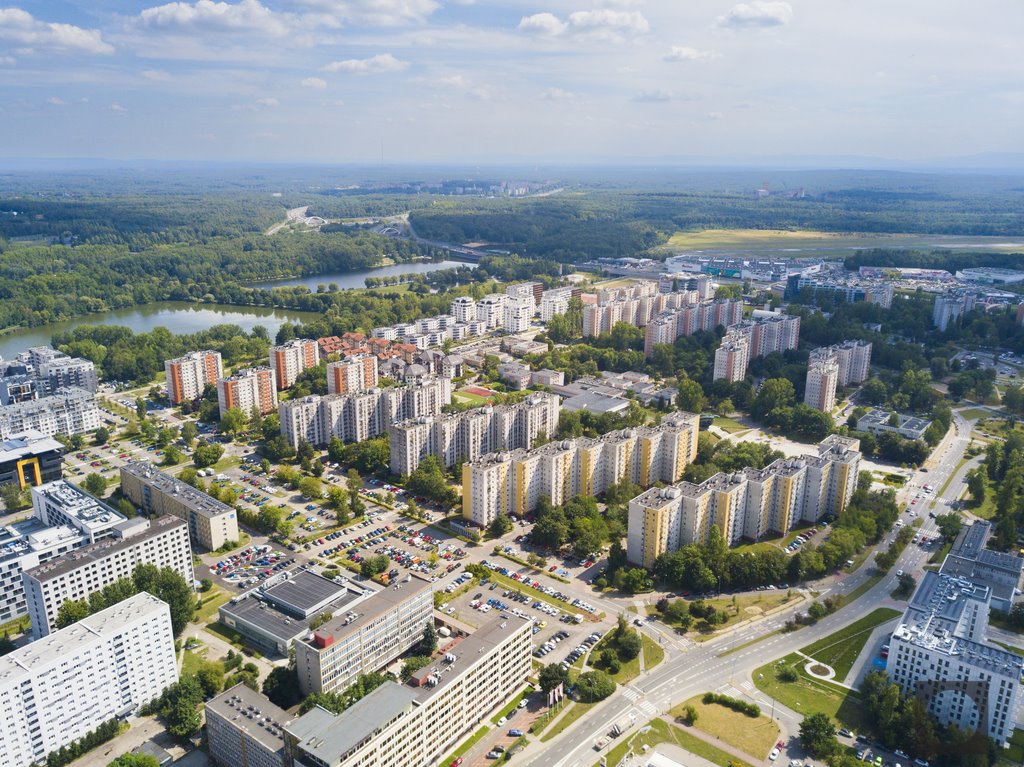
822 376
464 309
519 311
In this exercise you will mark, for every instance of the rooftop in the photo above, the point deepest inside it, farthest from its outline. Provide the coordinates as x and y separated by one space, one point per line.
252 713
30 443
91 513
196 500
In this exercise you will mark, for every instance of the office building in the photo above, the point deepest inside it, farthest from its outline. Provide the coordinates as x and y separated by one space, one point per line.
519 311
161 541
289 359
59 503
187 376
1000 572
363 415
252 389
244 729
940 653
667 326
820 388
731 359
272 616
365 637
468 435
354 374
108 665
745 504
512 483
24 545
30 458
418 723
876 421
464 309
211 523
66 411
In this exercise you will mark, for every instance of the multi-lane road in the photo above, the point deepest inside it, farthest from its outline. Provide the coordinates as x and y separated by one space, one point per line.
693 668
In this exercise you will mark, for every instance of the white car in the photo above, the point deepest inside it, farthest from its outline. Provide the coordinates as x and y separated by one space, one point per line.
899 573
774 754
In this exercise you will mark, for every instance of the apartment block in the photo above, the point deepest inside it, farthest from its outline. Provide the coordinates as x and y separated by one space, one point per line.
666 327
30 458
366 637
354 374
187 376
853 359
822 377
248 390
464 309
512 483
534 291
24 545
65 372
67 411
745 504
555 301
211 523
491 309
872 292
471 434
289 359
55 690
940 653
731 359
363 415
244 729
950 307
161 541
61 504
419 722
519 311
637 310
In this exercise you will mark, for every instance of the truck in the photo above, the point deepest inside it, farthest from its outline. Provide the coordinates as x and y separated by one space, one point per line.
601 742
622 724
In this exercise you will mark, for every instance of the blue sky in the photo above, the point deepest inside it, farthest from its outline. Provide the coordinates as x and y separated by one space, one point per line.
509 80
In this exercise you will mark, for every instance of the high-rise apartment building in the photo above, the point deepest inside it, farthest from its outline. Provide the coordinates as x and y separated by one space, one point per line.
24 545
820 388
519 311
731 359
55 690
211 523
468 435
59 503
950 307
529 290
67 411
744 504
666 327
244 729
464 309
161 541
354 374
65 372
248 390
187 376
512 483
363 415
491 310
289 359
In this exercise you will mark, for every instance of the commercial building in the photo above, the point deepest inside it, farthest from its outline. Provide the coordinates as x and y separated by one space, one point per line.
820 388
512 483
289 359
666 327
999 571
940 653
876 421
67 411
468 435
731 359
364 638
745 504
278 612
248 390
363 415
988 275
161 541
354 374
24 545
187 376
244 729
417 723
30 458
57 689
519 311
211 523
851 291
59 503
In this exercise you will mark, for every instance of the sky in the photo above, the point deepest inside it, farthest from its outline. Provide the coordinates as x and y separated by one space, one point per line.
426 81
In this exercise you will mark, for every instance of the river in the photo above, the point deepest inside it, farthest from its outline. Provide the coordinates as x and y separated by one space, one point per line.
176 316
357 278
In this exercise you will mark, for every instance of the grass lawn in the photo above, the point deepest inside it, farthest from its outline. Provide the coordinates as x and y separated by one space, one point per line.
466 745
211 602
192 660
575 712
987 508
747 606
939 555
653 652
16 626
659 731
729 425
840 650
972 413
751 736
472 399
808 695
1015 753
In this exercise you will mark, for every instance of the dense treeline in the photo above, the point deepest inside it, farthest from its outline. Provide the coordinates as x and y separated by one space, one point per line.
949 260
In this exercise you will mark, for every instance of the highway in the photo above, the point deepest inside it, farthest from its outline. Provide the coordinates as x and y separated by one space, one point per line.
693 668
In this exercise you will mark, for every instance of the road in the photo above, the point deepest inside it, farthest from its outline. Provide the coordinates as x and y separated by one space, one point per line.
693 668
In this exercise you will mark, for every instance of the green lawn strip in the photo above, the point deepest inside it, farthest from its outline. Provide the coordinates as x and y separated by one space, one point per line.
548 716
233 638
808 695
512 705
1015 752
466 745
729 425
751 735
191 662
574 712
17 626
653 652
211 602
629 669
939 555
660 731
951 476
840 650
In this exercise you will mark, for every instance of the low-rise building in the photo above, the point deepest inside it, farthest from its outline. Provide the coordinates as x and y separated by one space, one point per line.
876 421
999 571
30 458
515 374
211 523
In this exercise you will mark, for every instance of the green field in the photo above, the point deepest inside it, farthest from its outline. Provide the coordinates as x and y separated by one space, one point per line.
751 736
729 425
840 650
659 731
808 695
210 603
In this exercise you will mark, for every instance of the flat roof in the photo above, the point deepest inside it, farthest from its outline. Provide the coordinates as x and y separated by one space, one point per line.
252 713
27 444
305 592
595 402
195 500
100 550
377 603
90 512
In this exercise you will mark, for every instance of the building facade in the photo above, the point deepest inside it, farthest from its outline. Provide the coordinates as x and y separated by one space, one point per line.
822 377
731 359
24 545
244 729
354 374
519 311
248 390
211 523
666 327
67 411
289 359
464 309
187 376
30 458
57 689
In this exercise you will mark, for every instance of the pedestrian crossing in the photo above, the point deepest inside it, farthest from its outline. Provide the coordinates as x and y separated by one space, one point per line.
637 699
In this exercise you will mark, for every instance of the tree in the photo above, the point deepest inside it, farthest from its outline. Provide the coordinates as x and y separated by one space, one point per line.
233 421
211 678
691 397
95 484
428 480
166 584
372 566
189 432
499 526
592 686
140 408
172 456
905 586
207 454
72 611
372 456
551 676
428 644
282 686
352 480
14 496
135 760
183 719
413 664
311 488
628 645
976 485
818 735
102 436
949 526
277 448
774 393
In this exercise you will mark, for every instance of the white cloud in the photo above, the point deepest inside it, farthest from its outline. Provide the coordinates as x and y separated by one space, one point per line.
21 28
267 102
8 60
757 14
602 24
157 75
652 97
714 115
382 62
55 101
115 107
685 53
210 16
314 82
466 86
556 94
381 13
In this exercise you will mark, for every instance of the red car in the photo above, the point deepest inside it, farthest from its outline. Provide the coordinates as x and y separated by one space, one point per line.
457 762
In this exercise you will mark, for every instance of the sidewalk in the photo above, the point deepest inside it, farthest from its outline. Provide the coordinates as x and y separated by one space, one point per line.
863 663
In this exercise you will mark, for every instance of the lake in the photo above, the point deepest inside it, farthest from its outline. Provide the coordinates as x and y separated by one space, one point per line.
177 316
357 278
